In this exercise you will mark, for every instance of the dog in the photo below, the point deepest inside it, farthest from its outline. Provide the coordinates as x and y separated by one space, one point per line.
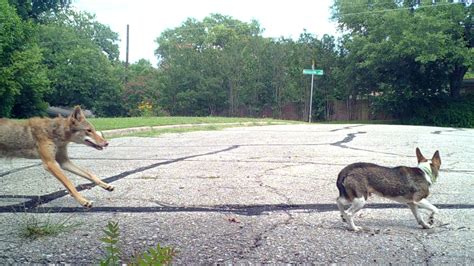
47 139
408 185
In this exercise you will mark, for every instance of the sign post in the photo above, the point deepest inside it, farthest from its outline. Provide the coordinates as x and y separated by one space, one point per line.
312 72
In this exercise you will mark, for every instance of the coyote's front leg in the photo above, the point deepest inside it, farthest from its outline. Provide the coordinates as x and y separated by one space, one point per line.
71 167
46 154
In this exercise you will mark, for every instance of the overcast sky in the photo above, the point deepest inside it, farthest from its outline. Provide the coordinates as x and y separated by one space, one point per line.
148 18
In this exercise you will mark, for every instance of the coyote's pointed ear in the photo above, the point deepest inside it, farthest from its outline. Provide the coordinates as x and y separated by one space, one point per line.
436 160
77 114
420 156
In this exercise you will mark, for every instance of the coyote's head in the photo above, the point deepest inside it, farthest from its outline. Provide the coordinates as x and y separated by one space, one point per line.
83 132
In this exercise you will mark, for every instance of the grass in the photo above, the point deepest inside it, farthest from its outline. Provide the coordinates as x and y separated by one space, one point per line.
34 227
128 122
157 132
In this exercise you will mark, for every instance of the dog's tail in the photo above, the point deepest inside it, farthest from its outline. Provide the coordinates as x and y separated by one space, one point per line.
340 186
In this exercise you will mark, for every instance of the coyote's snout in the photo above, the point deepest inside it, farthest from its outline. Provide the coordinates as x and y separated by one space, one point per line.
47 139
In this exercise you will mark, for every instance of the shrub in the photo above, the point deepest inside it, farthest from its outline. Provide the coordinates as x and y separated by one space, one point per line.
445 112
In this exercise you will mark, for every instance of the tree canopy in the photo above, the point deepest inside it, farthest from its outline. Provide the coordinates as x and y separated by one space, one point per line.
397 55
404 51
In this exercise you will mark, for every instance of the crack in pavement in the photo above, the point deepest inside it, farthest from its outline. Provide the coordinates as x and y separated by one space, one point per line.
438 132
344 128
19 169
260 237
239 209
428 255
349 137
35 201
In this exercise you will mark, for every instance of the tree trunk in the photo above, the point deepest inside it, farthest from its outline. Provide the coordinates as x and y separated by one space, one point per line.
455 81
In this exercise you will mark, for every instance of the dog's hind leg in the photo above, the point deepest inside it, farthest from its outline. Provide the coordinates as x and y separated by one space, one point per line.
341 202
357 205
70 167
425 204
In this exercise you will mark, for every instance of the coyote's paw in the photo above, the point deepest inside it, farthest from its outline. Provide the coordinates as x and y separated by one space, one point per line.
109 188
87 204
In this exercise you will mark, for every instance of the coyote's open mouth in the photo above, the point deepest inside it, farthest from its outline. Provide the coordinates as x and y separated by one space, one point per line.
93 145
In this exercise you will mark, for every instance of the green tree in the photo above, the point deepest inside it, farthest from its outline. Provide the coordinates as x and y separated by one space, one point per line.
23 81
79 68
203 64
405 52
85 26
143 87
35 8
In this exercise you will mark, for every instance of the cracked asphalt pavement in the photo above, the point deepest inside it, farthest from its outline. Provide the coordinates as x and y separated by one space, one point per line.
261 194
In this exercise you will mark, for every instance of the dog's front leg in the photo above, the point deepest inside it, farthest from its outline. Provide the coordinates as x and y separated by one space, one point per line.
45 151
70 167
425 204
414 209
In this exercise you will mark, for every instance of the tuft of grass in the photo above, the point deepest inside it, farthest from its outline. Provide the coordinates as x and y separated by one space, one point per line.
33 227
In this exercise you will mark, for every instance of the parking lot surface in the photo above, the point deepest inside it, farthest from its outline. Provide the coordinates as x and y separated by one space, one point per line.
263 194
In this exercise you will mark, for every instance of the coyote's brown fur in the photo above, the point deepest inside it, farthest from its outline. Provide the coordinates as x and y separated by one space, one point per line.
47 139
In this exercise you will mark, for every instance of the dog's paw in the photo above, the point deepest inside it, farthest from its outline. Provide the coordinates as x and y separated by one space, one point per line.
426 226
431 221
356 228
343 219
109 188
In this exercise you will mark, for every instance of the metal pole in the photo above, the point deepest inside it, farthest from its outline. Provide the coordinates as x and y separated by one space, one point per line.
126 52
311 95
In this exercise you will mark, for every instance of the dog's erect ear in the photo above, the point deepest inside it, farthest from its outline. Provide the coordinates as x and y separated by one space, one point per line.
77 114
436 160
420 156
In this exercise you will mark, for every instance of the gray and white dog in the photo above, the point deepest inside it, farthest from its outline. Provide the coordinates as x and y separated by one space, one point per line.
408 185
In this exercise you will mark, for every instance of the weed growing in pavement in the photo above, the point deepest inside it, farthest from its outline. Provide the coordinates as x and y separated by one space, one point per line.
153 256
111 238
34 227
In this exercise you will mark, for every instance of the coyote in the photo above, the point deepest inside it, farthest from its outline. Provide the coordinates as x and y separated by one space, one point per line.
47 139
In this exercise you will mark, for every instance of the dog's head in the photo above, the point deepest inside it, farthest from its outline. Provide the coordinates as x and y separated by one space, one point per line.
83 132
431 166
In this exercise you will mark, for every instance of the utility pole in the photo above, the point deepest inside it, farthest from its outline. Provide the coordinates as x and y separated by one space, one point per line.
126 53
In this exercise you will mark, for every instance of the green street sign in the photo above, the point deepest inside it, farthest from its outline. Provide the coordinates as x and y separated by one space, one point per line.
318 72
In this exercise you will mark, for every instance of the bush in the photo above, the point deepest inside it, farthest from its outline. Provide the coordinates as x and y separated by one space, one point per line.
445 112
